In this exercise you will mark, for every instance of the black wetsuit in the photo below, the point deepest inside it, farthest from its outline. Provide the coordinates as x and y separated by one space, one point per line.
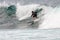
34 14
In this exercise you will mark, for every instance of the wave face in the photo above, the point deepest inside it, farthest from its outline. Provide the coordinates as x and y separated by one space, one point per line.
48 18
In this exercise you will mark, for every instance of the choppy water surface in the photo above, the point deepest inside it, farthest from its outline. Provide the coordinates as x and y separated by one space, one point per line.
42 34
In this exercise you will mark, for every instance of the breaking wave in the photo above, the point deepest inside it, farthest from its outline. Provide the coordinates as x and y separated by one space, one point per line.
50 19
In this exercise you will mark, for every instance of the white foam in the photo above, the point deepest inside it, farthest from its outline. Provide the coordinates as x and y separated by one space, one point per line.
52 19
3 4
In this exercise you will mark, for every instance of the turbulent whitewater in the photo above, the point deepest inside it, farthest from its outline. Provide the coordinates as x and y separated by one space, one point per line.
48 18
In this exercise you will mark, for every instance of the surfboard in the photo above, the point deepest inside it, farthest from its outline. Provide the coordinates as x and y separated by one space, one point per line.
34 21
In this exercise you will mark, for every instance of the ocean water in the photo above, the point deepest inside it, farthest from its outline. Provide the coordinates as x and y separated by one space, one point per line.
41 34
16 27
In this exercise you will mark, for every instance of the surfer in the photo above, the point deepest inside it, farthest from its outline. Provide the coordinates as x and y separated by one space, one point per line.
35 13
34 16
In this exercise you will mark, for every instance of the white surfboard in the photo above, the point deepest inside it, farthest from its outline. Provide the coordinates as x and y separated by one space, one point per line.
34 21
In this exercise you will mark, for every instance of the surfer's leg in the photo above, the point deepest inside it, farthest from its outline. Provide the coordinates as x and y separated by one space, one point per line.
31 22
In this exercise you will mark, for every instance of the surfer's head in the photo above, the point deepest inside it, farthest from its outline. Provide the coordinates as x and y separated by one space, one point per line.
34 12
